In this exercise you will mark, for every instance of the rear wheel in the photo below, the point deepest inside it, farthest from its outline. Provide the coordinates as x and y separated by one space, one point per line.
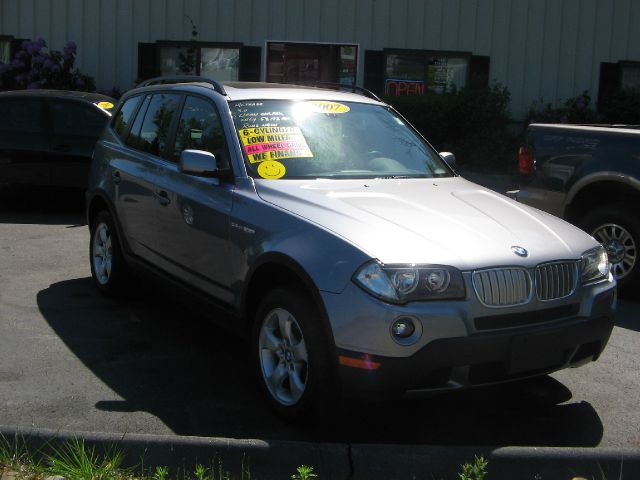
292 354
618 229
107 263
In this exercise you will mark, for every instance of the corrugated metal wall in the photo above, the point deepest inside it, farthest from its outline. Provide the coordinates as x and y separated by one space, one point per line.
548 49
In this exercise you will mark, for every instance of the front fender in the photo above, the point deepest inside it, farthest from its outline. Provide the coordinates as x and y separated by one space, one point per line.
258 228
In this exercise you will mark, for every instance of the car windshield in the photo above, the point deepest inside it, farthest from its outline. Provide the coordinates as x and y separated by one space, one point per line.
326 139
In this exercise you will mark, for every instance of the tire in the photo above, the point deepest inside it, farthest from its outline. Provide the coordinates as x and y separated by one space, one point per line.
108 267
291 355
618 229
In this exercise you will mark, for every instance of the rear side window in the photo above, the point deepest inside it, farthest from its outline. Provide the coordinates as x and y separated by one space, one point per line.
21 116
124 116
151 134
72 118
199 128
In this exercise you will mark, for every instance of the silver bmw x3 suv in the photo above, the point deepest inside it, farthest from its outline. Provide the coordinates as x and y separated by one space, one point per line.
321 224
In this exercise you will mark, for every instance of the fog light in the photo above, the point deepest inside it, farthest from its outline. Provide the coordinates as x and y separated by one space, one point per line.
403 328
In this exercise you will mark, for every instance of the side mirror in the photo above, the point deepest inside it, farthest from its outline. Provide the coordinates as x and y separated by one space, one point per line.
450 159
199 163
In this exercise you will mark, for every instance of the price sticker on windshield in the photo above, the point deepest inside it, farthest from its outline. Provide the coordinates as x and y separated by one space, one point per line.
274 143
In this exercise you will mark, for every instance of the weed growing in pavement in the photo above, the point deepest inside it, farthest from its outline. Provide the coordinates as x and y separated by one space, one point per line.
160 473
201 472
304 473
474 471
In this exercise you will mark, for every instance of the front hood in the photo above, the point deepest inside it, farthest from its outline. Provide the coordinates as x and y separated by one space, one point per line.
447 221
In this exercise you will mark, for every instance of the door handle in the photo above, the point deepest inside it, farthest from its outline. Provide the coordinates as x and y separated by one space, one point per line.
115 176
163 198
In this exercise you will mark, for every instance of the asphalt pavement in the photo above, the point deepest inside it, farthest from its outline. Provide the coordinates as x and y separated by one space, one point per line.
75 361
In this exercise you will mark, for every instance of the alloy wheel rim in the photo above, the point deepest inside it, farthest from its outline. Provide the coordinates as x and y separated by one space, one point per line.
284 360
620 247
102 253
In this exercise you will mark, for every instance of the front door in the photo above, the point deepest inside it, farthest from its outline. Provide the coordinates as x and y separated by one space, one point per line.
192 217
135 170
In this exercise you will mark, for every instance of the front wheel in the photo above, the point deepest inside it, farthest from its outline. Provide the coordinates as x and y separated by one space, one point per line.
618 229
292 354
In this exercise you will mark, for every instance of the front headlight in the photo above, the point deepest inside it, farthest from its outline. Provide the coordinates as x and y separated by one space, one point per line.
408 283
595 265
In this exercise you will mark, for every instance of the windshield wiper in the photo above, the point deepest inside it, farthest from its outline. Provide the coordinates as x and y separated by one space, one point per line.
394 177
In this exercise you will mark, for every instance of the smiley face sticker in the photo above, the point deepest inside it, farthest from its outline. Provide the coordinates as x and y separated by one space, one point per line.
271 170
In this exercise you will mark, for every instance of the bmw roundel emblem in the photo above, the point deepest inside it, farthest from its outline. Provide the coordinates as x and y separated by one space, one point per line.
520 251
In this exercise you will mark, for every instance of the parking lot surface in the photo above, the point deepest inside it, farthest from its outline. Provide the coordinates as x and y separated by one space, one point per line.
72 359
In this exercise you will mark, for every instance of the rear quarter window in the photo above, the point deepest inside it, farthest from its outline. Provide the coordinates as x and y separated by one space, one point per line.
151 132
124 116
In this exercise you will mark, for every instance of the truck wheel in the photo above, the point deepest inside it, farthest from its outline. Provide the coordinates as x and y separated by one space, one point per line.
618 229
292 355
108 267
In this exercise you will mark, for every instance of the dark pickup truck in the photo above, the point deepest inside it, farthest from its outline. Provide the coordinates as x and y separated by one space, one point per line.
590 176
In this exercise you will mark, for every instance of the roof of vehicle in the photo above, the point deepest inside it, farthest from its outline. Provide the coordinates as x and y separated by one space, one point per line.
68 94
238 91
632 129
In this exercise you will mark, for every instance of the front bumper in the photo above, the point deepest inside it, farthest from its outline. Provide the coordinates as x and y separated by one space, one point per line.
508 347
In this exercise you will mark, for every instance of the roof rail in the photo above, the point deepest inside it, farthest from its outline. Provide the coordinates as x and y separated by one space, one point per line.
353 88
609 125
217 86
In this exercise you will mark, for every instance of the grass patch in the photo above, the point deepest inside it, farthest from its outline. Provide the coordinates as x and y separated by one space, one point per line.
74 460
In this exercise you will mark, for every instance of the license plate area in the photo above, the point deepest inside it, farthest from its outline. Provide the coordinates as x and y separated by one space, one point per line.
537 351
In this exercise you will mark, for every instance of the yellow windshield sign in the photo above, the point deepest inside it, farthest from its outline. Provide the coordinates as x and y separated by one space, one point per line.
327 107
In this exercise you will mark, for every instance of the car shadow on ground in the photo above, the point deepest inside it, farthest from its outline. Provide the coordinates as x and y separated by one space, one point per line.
197 379
42 205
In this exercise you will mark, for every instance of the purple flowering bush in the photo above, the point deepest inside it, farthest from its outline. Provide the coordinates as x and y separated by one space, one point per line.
35 66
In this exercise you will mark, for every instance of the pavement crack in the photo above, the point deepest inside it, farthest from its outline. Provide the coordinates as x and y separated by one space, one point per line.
351 473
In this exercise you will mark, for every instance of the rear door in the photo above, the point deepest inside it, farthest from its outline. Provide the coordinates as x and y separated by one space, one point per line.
75 128
24 142
192 213
134 166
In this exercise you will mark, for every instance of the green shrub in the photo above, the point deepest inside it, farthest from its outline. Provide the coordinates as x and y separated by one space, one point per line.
471 123
622 107
574 110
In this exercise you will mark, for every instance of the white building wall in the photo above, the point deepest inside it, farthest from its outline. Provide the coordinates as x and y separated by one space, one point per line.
549 49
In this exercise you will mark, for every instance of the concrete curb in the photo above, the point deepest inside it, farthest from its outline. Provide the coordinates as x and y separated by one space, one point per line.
505 463
279 459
